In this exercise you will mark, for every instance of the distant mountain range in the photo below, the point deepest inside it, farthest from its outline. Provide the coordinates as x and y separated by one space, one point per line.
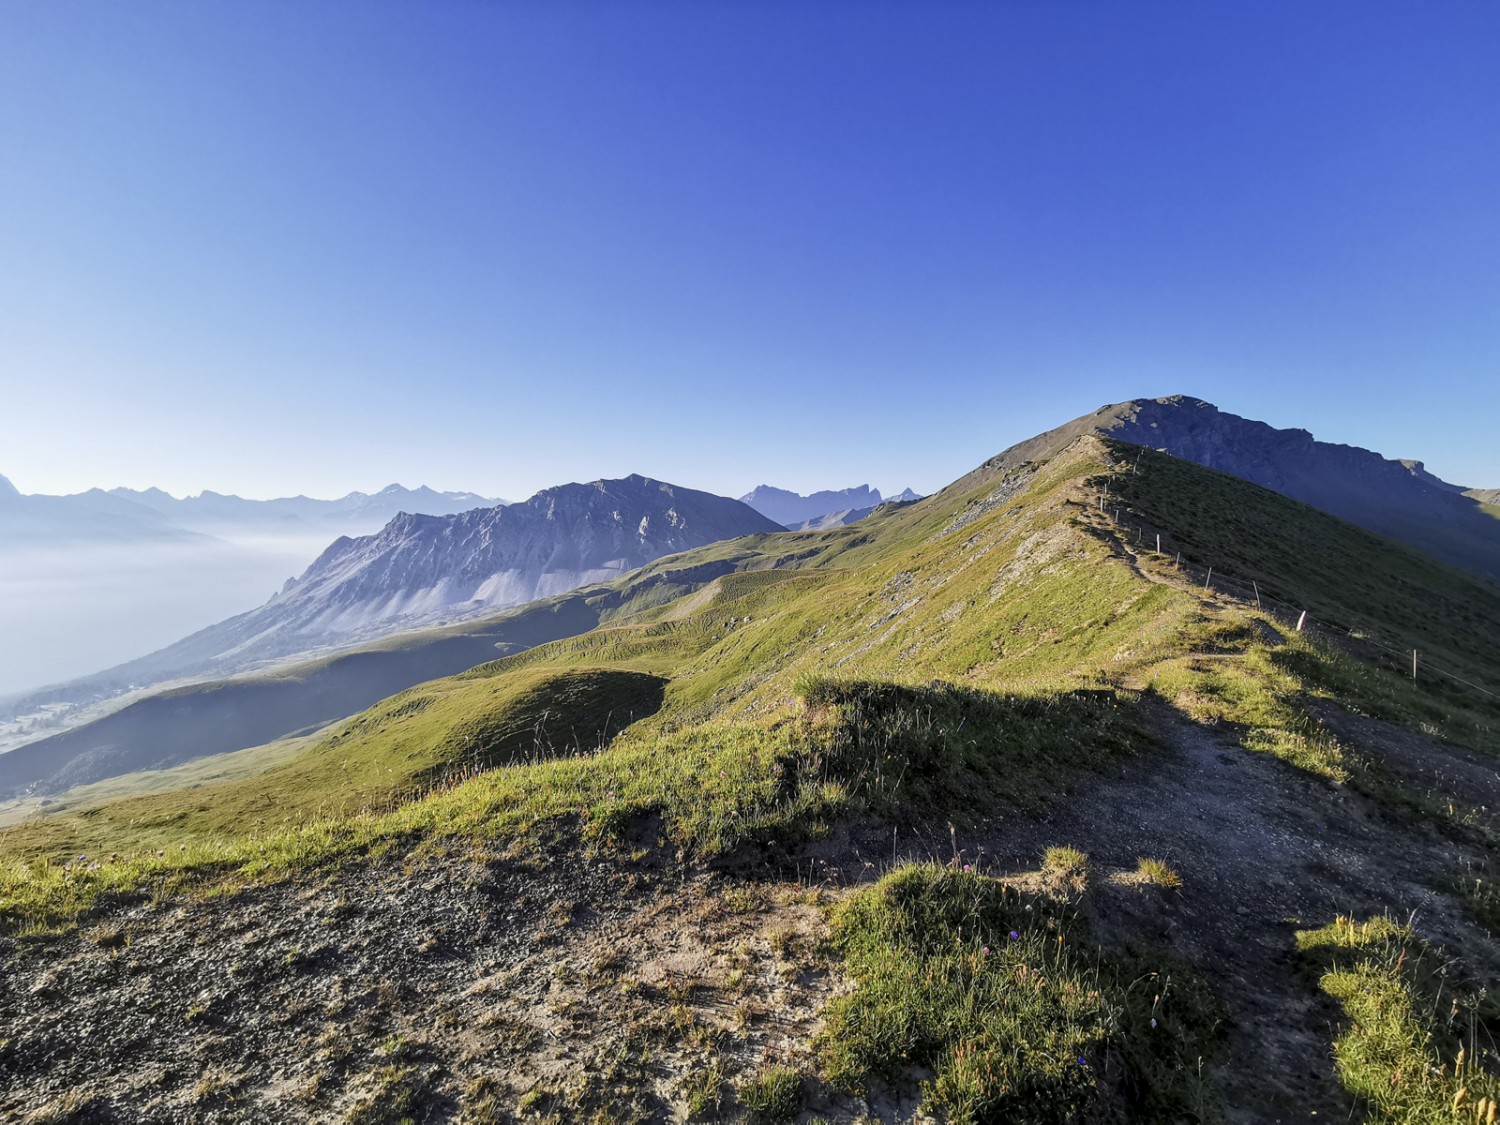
419 569
123 515
822 509
213 512
1389 497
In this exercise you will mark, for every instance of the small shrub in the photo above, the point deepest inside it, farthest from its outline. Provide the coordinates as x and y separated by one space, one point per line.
700 1088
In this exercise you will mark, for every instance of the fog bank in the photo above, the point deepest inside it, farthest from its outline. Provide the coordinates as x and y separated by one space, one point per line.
71 611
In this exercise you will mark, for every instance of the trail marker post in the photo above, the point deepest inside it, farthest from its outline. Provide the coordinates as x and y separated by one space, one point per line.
1300 620
1256 588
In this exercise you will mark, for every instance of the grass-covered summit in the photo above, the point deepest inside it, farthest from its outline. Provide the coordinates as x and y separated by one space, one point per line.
707 787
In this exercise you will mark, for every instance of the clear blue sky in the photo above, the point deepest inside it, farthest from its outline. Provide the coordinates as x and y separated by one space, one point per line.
284 246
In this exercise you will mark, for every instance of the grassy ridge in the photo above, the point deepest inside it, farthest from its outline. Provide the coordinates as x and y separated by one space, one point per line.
1338 572
397 749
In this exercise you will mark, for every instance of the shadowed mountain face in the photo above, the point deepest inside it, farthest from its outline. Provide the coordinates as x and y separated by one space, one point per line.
420 569
822 509
1395 498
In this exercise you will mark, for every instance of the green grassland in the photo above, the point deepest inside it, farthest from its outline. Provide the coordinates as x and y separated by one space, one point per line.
985 648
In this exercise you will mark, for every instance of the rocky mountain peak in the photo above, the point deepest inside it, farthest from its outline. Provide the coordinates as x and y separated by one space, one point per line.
1385 496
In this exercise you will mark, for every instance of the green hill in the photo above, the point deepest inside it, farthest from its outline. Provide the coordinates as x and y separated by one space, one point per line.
899 776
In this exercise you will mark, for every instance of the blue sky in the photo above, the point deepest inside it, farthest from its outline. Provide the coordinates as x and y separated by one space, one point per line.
285 246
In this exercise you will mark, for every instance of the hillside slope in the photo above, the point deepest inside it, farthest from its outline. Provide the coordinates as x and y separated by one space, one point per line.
220 716
711 889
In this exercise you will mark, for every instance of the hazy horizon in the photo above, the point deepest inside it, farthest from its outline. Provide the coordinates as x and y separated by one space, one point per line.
72 614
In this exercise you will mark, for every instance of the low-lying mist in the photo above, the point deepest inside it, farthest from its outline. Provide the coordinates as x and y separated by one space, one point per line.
71 611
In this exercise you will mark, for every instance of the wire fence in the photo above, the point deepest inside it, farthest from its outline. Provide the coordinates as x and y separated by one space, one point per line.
1147 539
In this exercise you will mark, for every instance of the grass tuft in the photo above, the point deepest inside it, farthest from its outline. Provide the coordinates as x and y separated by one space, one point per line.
773 1096
1064 860
1415 1040
1002 997
1155 871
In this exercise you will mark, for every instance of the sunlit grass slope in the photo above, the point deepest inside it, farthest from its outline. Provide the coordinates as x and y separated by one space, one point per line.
398 749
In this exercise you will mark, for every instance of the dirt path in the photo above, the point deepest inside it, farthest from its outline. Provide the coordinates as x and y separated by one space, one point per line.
1263 850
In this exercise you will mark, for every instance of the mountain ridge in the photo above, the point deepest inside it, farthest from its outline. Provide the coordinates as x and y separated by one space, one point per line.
152 515
1389 497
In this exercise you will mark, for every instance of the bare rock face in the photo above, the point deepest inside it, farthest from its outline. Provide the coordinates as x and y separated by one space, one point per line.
562 538
1389 497
420 569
